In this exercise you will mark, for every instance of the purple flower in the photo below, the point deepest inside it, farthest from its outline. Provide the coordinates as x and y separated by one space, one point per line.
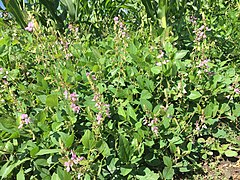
68 165
73 97
116 19
75 108
27 120
160 55
88 73
68 56
65 94
99 118
237 91
96 97
24 120
94 77
24 116
155 129
30 27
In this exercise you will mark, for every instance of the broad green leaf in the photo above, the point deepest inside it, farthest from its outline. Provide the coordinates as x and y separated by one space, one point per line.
7 169
14 8
131 112
103 148
70 5
125 170
52 100
180 54
156 69
194 95
88 140
220 134
167 161
147 174
146 105
48 151
63 174
55 177
67 139
230 153
168 173
145 94
20 174
121 111
124 149
166 122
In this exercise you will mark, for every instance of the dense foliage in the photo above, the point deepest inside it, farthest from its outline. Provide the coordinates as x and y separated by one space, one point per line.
131 90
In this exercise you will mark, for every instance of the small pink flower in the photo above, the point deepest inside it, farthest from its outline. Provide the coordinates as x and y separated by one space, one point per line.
99 118
73 97
68 165
116 19
65 94
75 108
88 73
237 91
20 126
74 156
155 129
160 55
27 120
24 116
94 77
30 27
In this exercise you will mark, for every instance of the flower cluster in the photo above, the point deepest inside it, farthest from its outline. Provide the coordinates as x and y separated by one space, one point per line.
73 98
152 124
30 27
193 20
204 63
93 76
121 26
104 109
160 55
24 120
74 160
201 33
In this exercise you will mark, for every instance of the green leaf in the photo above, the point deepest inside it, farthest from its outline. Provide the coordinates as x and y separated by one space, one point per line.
230 153
145 94
167 161
166 122
121 111
6 170
55 177
48 151
103 148
124 149
168 173
194 95
70 5
131 112
67 139
156 69
20 174
88 140
14 8
52 100
180 54
220 134
149 175
125 170
146 105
